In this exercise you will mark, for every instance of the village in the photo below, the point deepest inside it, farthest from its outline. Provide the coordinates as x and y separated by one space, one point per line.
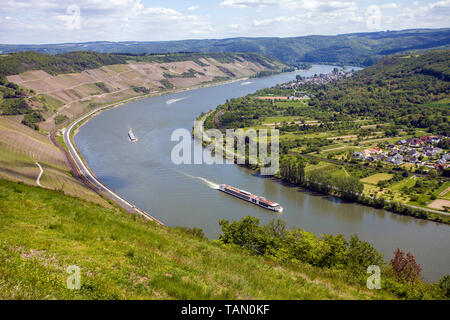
417 151
319 79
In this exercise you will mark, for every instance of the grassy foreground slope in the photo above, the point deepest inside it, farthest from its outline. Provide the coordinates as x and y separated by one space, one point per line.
42 232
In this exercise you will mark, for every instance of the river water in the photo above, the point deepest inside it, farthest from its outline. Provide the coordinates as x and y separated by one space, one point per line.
185 195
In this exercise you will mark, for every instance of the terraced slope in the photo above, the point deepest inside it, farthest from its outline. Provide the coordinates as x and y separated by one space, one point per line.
59 92
21 147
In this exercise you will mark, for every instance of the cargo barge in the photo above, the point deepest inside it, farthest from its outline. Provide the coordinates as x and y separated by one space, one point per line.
247 196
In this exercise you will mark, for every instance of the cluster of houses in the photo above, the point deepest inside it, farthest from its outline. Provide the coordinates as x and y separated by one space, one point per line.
420 151
318 79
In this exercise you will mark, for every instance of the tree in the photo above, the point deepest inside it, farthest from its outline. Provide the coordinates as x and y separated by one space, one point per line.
246 234
361 255
405 267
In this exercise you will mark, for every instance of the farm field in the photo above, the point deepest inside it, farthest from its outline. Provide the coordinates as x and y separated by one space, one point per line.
374 179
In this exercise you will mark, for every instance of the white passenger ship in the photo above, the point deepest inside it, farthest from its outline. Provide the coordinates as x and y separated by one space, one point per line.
247 196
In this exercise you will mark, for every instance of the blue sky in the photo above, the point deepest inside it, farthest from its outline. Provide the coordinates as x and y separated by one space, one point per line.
56 21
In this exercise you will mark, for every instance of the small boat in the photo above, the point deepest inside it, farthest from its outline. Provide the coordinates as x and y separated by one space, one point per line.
247 196
131 136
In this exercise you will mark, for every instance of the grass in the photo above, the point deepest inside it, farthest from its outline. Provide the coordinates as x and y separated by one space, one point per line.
408 182
443 192
374 179
122 256
49 102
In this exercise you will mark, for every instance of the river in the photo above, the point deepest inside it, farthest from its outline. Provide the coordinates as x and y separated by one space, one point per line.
185 195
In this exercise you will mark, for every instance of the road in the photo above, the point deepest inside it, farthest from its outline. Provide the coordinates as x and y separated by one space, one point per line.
85 174
38 179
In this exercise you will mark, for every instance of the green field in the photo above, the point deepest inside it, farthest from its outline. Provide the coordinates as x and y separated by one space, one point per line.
374 179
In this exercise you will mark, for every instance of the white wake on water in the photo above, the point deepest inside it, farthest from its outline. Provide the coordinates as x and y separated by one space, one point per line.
175 100
207 182
245 83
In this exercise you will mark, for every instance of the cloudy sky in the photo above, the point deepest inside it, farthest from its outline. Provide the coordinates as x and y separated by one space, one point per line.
55 21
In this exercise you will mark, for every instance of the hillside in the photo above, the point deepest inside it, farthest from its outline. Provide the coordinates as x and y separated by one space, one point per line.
350 49
411 90
51 89
22 147
124 257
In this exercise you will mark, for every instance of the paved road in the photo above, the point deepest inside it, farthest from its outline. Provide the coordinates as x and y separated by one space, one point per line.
89 178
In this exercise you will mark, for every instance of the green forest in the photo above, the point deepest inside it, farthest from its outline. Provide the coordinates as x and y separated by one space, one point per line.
407 90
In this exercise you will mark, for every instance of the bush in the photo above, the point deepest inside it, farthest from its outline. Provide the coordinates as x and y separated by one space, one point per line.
286 245
60 119
32 119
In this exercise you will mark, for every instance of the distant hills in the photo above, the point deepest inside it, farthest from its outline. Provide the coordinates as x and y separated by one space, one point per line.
359 49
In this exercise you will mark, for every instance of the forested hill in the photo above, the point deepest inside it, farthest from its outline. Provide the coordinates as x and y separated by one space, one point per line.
411 90
352 49
78 61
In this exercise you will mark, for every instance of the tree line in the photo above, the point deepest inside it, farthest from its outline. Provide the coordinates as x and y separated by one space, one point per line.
400 276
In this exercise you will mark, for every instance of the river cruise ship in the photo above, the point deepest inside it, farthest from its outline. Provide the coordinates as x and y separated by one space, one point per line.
247 196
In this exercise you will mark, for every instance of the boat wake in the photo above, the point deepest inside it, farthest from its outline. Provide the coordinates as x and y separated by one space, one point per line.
245 83
205 181
175 100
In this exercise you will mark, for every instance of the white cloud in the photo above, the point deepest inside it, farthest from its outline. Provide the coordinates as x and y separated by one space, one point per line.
313 5
389 6
434 14
32 21
247 3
